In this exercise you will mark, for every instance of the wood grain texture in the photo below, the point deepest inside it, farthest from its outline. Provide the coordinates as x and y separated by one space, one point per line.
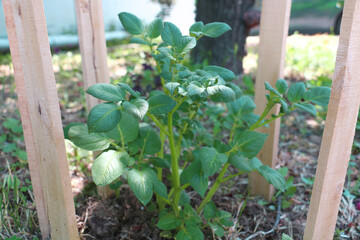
339 129
93 50
40 114
274 27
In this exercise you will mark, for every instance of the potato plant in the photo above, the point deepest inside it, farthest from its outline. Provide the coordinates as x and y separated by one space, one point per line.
149 140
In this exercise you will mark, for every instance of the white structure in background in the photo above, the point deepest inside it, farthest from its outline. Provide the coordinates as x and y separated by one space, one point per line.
61 18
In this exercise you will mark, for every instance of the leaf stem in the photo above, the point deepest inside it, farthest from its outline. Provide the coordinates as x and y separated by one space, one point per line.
162 127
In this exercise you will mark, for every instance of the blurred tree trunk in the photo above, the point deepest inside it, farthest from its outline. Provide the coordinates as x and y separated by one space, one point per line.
228 50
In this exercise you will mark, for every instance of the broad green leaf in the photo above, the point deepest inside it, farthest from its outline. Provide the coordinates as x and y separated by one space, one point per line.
193 90
210 211
138 40
281 86
161 104
285 237
296 92
224 218
190 233
308 107
318 95
137 107
186 43
215 29
284 106
271 89
273 177
149 140
211 160
107 92
240 162
79 135
217 228
194 175
159 162
128 89
241 105
167 52
131 23
250 142
171 34
224 73
108 166
140 185
196 29
155 27
127 130
221 93
236 89
168 221
171 86
255 163
158 186
103 117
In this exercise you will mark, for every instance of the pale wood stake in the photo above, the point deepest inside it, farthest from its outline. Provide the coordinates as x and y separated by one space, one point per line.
339 129
274 26
93 53
40 114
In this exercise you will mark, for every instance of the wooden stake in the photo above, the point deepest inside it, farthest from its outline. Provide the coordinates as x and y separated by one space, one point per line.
339 129
93 53
274 26
40 114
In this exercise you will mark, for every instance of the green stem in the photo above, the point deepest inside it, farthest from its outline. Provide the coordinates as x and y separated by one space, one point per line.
162 127
184 186
178 145
174 166
263 115
213 189
231 176
160 154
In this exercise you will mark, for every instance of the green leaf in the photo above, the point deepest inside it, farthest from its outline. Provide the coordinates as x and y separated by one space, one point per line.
171 86
158 186
241 105
137 107
80 137
211 160
271 89
240 162
159 162
285 237
194 175
108 166
224 73
255 163
140 185
138 40
161 104
168 221
284 106
107 92
215 29
308 107
196 29
296 92
193 89
217 228
273 177
127 130
209 211
128 89
318 95
149 140
221 93
250 142
171 34
186 43
167 52
224 217
190 233
131 23
281 86
155 27
103 117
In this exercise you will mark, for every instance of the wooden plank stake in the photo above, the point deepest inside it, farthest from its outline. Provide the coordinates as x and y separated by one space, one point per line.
92 43
339 129
40 113
274 26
